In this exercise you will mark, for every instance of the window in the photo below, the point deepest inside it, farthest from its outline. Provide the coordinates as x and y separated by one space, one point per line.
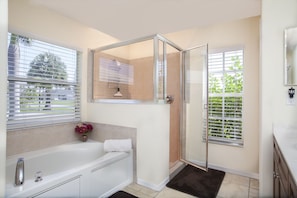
43 83
225 97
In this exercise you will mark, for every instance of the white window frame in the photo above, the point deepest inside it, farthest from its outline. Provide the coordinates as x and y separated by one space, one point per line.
220 136
61 95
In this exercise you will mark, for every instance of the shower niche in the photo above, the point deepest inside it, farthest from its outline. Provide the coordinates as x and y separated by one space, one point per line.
155 70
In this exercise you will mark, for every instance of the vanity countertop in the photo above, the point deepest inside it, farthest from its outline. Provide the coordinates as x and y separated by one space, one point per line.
287 141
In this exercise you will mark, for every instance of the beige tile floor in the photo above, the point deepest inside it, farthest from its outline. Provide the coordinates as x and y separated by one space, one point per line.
233 186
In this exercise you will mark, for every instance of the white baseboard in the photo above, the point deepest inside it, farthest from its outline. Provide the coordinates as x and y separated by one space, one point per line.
228 170
242 173
116 188
159 187
156 187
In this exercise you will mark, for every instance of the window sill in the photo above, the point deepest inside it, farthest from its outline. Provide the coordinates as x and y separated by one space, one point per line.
225 143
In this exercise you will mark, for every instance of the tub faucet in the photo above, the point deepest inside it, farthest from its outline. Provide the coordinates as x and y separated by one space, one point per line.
20 172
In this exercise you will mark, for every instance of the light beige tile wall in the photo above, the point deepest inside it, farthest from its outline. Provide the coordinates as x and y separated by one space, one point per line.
26 140
143 88
106 90
102 132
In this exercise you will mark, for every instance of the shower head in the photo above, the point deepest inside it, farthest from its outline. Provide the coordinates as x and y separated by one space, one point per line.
118 93
118 63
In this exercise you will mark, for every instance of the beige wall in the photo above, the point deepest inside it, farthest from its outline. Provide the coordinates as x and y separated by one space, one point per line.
152 124
243 33
150 120
276 16
28 20
3 63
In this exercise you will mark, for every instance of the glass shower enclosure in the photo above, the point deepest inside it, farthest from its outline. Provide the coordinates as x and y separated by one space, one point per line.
153 69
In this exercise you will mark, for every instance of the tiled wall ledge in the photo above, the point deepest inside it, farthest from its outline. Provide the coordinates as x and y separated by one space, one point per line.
104 132
25 140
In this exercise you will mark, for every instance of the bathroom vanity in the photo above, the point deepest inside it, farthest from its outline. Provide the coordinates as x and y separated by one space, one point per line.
284 163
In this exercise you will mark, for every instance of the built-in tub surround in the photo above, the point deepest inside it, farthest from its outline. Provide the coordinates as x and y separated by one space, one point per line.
81 169
104 132
20 141
30 139
26 140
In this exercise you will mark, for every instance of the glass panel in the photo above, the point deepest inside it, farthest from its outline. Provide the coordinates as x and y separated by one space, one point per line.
173 89
194 143
125 72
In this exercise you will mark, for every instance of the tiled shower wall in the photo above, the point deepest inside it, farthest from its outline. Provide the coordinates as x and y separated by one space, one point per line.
25 140
142 87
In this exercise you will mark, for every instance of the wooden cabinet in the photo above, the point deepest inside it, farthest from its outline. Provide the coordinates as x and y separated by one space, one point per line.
280 173
283 183
293 188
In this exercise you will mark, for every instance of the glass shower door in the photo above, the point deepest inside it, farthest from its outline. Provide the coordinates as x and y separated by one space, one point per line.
194 140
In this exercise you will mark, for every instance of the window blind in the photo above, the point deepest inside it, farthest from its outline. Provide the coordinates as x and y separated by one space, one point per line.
43 83
225 97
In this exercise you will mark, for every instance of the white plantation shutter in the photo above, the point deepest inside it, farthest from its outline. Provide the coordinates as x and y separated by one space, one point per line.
43 83
225 97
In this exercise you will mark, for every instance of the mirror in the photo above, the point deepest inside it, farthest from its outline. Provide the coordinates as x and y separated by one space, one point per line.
290 56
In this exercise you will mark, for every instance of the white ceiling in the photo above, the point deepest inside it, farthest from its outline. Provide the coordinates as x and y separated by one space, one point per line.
129 19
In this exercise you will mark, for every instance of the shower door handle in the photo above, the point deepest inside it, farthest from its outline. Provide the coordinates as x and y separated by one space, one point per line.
169 99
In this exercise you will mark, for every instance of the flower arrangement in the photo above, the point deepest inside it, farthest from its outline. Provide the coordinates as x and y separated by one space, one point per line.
83 128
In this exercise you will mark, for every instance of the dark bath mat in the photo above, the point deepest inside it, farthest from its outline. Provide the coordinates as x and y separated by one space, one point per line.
122 194
197 182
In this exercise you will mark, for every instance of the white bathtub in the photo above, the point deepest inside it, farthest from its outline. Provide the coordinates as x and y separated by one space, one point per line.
79 169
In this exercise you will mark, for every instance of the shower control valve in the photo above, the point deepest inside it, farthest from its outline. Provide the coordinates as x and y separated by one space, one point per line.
169 99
